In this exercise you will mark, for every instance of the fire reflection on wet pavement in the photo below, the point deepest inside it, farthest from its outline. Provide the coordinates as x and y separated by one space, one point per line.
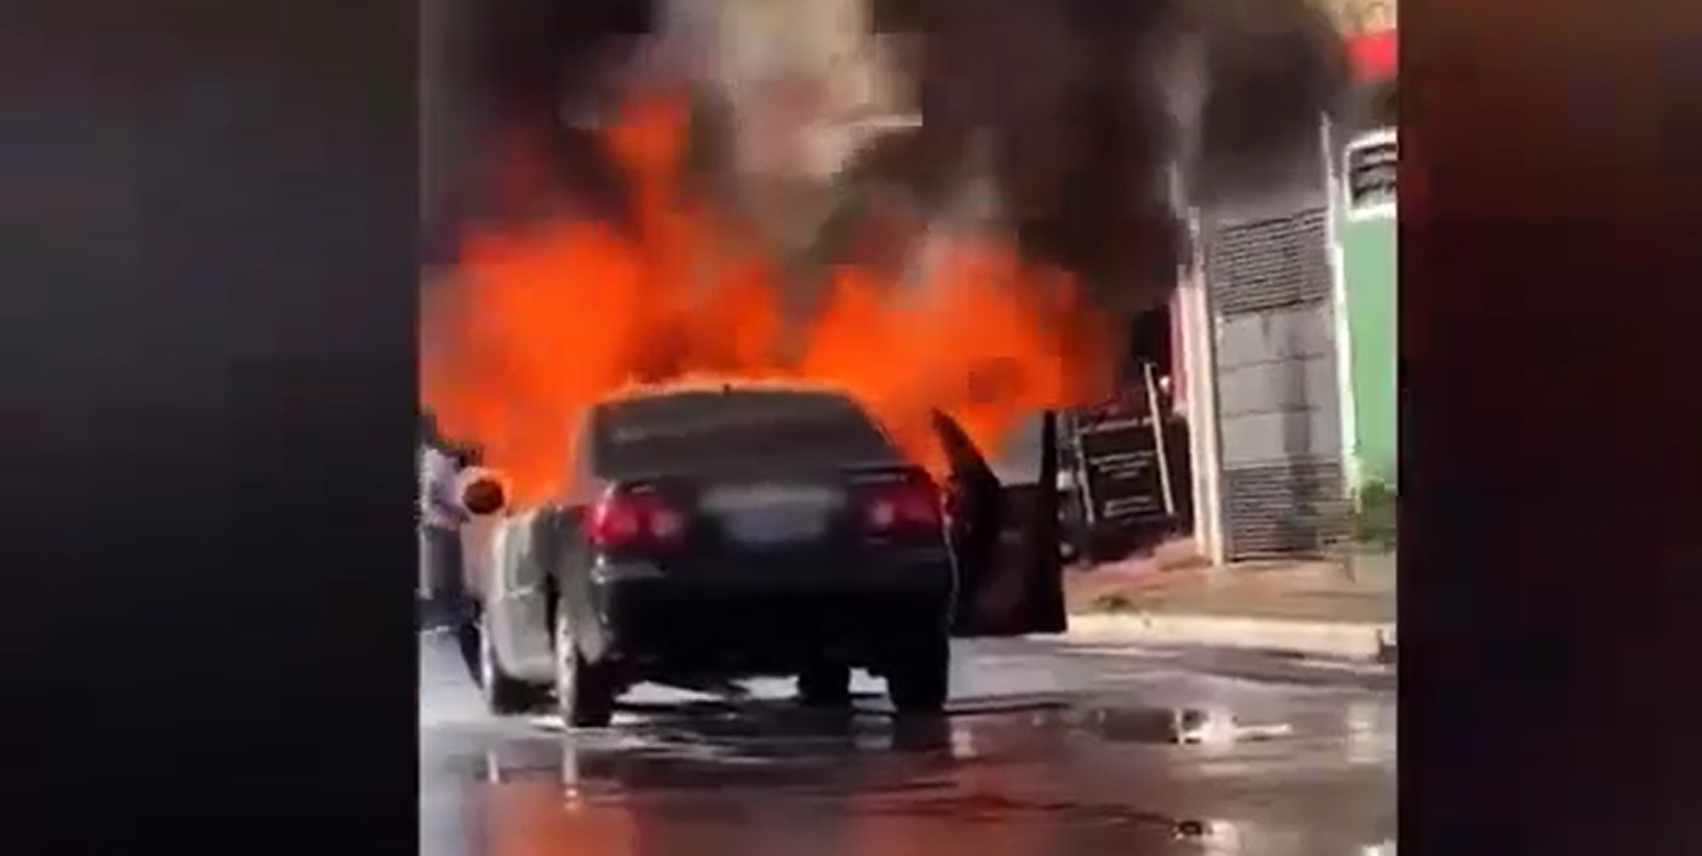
1046 752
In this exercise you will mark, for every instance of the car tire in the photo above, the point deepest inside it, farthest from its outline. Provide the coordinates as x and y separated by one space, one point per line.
919 678
503 695
825 686
585 692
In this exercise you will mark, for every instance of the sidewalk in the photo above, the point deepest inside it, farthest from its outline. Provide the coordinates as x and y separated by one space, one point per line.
1319 608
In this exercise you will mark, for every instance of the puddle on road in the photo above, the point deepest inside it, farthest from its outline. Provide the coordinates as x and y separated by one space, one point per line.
716 750
1074 773
755 764
1185 726
722 736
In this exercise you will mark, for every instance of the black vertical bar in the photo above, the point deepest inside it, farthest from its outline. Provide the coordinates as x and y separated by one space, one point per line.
1045 583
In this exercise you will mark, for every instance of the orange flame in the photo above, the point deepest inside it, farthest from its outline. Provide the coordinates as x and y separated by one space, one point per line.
537 325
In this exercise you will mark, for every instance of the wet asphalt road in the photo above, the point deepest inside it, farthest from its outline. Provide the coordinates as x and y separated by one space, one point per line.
1054 751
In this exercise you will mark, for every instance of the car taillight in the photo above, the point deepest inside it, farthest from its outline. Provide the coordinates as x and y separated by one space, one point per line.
905 506
623 520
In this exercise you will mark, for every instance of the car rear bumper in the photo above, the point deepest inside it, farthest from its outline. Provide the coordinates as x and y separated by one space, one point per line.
733 626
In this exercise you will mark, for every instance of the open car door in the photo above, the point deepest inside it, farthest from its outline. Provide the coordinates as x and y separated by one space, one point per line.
1005 532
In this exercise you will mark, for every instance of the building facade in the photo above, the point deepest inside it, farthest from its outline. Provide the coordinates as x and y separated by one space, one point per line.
1366 252
1366 245
1291 327
1283 327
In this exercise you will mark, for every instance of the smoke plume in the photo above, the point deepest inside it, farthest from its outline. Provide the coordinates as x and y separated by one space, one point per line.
1078 110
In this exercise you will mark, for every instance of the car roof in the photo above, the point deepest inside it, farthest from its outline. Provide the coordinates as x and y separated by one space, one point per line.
720 383
650 429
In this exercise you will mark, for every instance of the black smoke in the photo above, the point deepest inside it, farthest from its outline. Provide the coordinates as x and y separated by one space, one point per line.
1068 105
509 87
1083 107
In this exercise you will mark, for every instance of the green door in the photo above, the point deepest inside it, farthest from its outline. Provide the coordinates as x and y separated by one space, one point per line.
1367 231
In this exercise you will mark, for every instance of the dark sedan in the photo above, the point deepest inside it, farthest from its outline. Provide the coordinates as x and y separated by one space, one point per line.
719 533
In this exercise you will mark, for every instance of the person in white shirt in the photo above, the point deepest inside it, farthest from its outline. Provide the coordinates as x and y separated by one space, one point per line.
442 584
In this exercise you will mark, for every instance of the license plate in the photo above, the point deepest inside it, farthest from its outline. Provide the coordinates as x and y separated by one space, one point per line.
769 514
774 527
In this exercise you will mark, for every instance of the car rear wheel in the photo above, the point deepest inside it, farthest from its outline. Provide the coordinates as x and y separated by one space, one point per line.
503 695
919 677
585 692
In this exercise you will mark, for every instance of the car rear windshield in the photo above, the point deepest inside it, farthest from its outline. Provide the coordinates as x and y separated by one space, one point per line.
685 433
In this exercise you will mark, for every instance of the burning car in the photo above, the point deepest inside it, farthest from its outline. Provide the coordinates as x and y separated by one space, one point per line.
717 532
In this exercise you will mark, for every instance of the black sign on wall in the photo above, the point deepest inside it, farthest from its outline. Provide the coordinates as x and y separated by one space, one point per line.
1123 470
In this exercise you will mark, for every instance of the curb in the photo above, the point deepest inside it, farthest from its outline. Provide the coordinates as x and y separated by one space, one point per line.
1332 639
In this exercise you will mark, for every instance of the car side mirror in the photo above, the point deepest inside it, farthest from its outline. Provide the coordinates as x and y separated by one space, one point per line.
483 491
